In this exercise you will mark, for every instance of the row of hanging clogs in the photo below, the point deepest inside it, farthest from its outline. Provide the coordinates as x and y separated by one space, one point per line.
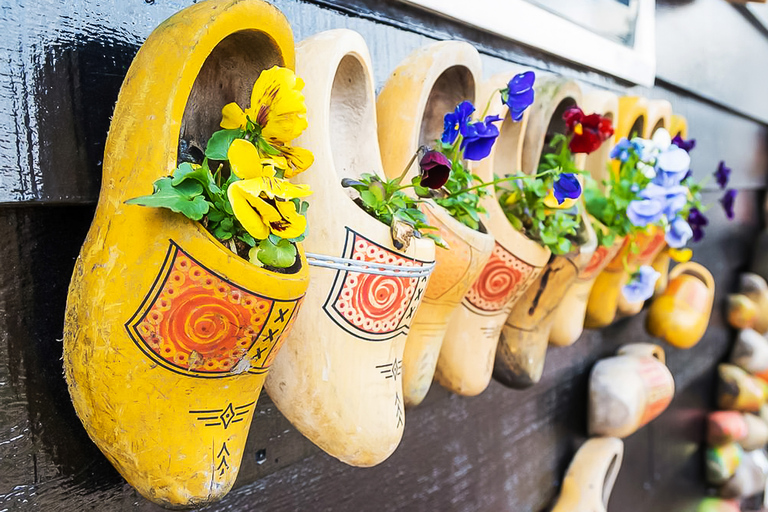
169 336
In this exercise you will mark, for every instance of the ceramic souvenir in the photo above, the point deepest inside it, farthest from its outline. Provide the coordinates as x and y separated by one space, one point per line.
722 462
750 352
749 478
738 390
755 288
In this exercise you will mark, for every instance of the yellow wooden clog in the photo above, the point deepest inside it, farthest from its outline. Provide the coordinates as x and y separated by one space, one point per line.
589 480
680 315
169 335
738 390
466 359
338 378
425 86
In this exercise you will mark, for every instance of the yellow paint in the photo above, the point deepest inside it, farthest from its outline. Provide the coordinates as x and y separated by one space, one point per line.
141 411
678 125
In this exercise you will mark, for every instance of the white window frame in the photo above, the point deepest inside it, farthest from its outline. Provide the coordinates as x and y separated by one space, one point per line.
533 26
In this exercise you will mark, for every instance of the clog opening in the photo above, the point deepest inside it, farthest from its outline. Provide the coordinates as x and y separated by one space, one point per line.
556 125
506 157
610 478
659 124
453 86
227 75
638 128
692 272
354 142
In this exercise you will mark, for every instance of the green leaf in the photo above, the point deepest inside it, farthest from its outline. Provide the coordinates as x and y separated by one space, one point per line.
266 148
368 198
280 255
247 238
184 198
201 174
218 144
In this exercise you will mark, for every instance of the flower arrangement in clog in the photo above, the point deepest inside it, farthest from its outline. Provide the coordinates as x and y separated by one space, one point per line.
338 378
169 334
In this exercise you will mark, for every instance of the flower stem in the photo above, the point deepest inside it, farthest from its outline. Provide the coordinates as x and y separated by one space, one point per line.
408 166
488 103
502 180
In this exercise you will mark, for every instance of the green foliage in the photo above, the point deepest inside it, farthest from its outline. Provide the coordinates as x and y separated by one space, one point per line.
460 196
279 253
185 198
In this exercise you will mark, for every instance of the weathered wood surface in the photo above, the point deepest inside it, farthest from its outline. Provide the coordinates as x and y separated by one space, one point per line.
503 450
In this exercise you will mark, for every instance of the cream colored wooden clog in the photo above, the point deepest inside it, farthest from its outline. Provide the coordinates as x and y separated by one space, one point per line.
569 317
427 85
169 335
339 378
465 364
589 480
628 391
523 342
738 390
750 352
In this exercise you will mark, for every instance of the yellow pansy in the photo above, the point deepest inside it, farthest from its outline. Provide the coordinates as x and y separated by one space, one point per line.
551 201
246 162
680 255
272 187
277 106
281 217
244 212
260 216
298 159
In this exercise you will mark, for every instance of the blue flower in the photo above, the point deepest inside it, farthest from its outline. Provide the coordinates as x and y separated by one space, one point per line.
642 212
678 233
621 150
687 145
566 186
672 166
641 286
519 95
454 121
722 174
479 138
672 198
697 221
727 201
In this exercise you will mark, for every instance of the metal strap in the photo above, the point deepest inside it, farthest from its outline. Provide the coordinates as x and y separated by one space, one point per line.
369 267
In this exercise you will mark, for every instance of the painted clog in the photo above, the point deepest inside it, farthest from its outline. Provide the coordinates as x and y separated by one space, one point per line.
750 352
628 391
722 462
569 317
755 288
410 108
741 311
680 316
589 480
738 390
339 376
466 359
523 343
749 478
748 430
169 335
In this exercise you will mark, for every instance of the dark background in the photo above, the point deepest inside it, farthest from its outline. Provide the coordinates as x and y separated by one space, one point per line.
61 66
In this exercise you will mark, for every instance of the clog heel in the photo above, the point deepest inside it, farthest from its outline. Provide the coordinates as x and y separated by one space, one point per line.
169 335
428 84
523 342
465 364
589 480
339 376
569 316
681 314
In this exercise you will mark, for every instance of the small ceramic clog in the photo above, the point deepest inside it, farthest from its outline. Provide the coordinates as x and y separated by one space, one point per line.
755 288
410 108
738 390
628 391
466 358
339 376
722 462
750 352
169 335
589 480
750 431
749 478
680 316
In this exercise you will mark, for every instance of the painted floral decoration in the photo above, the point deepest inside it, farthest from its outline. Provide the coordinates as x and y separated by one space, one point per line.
240 191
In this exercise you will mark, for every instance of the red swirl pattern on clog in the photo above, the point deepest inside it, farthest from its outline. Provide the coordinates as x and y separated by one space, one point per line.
503 279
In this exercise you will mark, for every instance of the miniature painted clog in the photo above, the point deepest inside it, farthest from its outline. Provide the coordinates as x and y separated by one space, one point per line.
339 376
523 343
718 505
749 478
169 335
628 391
738 390
680 315
466 358
741 311
569 317
410 108
722 462
755 288
659 116
589 481
750 352
750 431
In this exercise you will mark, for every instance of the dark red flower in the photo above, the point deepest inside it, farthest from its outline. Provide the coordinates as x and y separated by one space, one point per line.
587 132
435 169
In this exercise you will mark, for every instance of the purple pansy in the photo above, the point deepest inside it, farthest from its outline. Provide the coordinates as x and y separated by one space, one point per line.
435 169
678 233
518 95
454 121
672 198
722 174
672 166
697 221
479 138
727 201
566 186
642 212
687 145
641 286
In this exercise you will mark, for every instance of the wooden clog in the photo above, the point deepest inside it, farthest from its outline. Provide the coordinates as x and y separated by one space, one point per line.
722 462
169 335
749 478
466 359
718 505
680 315
410 108
628 391
523 343
741 311
750 352
569 317
748 430
339 376
755 288
589 480
659 116
678 125
738 390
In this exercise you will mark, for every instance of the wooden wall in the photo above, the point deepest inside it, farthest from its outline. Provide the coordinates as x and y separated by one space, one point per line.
61 65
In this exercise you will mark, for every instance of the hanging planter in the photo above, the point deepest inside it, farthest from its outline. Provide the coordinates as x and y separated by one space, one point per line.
169 334
466 359
339 377
431 82
590 477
